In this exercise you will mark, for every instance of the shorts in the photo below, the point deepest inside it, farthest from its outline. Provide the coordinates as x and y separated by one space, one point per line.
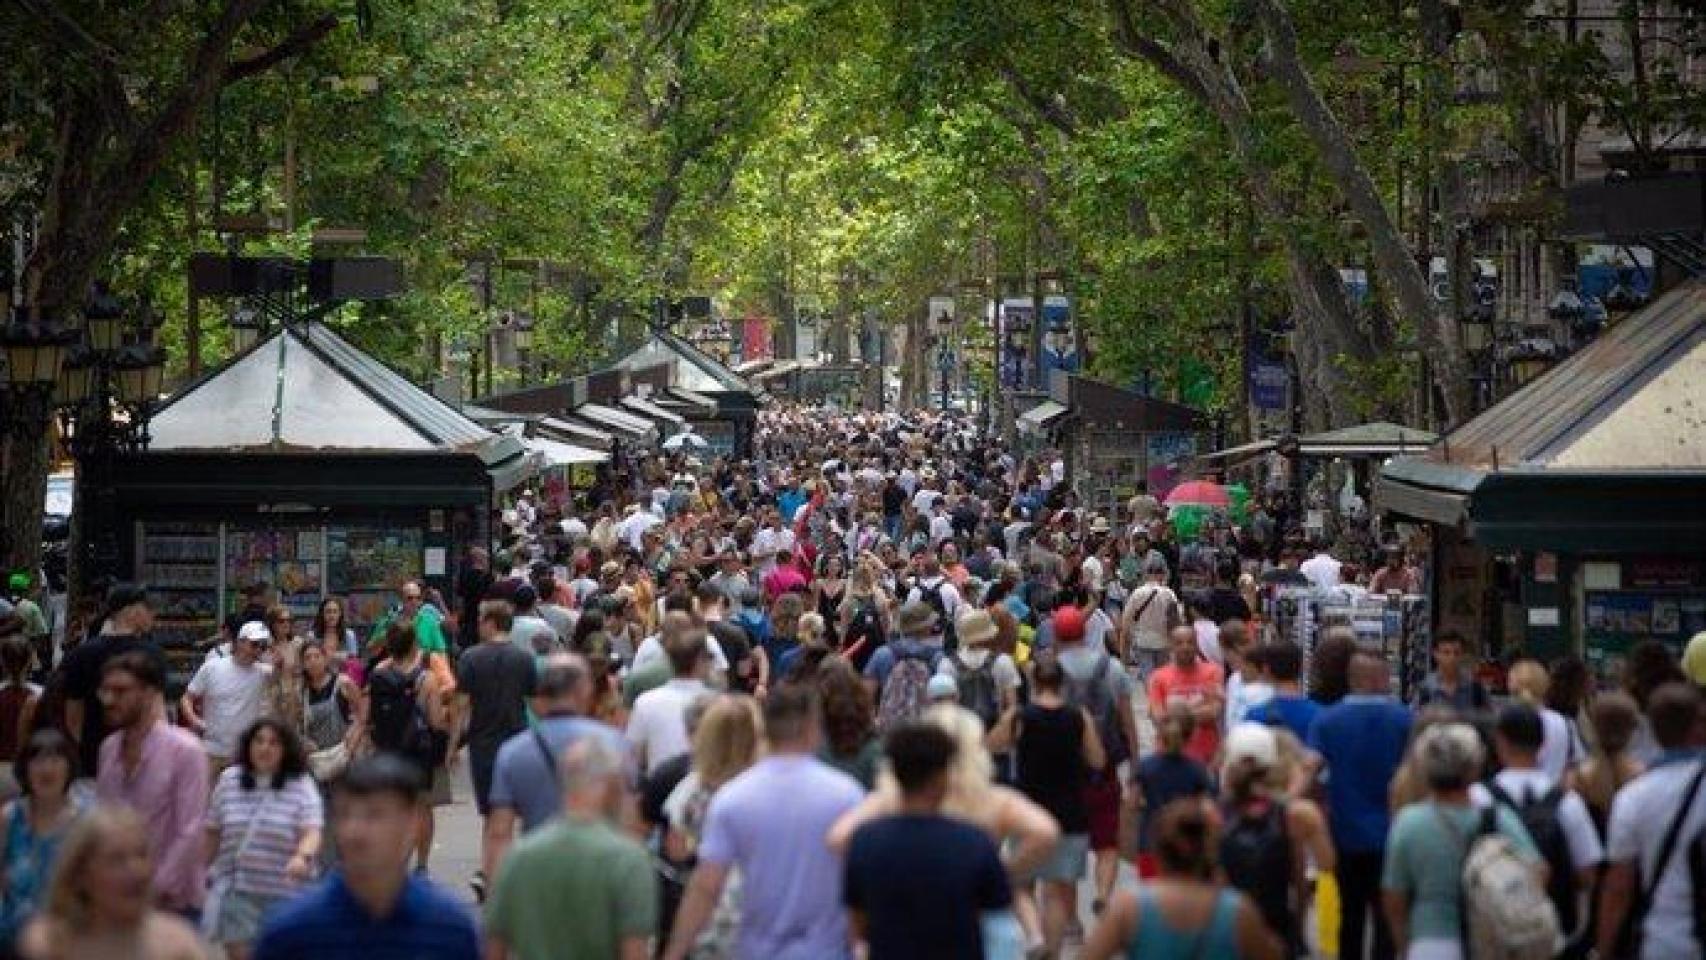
1102 799
1067 864
481 765
440 796
240 915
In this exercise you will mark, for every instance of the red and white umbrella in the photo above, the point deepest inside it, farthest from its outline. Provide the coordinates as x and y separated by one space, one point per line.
1198 493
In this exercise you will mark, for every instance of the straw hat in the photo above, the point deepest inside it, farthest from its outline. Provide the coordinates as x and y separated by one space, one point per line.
916 617
976 628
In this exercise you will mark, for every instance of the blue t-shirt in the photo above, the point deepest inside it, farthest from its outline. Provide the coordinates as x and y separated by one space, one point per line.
789 502
1362 740
1292 711
1163 778
326 922
922 883
523 781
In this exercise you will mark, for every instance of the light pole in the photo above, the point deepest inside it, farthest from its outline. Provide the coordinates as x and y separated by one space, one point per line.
105 396
35 345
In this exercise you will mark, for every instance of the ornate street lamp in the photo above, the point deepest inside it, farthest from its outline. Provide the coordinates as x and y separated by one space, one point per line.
34 350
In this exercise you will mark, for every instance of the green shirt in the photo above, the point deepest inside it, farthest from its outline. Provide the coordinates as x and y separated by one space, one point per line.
429 628
646 678
35 622
573 888
1424 861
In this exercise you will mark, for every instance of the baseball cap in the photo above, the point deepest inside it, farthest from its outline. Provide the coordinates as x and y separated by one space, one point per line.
256 631
1251 742
1068 623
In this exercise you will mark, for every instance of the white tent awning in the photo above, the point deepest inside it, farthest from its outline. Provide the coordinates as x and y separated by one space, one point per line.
556 453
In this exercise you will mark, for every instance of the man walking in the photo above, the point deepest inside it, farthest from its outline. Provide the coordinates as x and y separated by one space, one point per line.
159 771
226 695
791 882
372 906
124 627
916 883
1361 740
657 728
493 681
1098 684
579 887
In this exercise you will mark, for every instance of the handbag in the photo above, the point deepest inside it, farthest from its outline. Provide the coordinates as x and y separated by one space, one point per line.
328 764
221 886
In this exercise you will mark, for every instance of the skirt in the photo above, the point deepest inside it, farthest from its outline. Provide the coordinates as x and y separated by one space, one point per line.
240 916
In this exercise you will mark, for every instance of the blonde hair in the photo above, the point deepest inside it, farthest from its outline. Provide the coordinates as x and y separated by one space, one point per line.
66 906
727 740
971 777
1528 682
812 628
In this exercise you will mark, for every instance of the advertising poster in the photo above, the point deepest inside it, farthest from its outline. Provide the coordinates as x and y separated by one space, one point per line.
1014 329
1060 341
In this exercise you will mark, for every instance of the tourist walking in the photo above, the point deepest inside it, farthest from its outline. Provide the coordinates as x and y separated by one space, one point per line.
35 826
263 834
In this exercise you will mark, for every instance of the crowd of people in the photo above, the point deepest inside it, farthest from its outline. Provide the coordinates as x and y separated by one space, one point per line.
886 689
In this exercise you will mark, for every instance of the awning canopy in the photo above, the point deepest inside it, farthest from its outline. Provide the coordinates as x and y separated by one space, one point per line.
775 372
612 419
578 433
651 411
1377 439
1042 416
686 399
1230 457
556 453
1604 452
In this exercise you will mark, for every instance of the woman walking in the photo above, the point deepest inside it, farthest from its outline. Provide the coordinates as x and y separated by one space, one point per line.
263 834
101 900
725 745
333 636
331 713
35 827
1056 747
1184 914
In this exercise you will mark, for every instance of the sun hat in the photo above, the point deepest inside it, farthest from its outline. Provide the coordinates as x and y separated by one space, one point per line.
1252 743
976 627
916 617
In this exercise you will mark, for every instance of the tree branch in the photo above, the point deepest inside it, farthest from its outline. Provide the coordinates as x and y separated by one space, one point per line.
1051 108
1133 42
298 43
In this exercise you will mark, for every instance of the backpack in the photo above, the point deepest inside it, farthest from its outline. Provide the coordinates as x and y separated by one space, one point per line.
1540 815
1255 850
1092 694
932 596
867 625
1506 912
396 718
906 691
977 689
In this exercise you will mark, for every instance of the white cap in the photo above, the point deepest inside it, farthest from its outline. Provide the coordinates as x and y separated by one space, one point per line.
256 631
1253 742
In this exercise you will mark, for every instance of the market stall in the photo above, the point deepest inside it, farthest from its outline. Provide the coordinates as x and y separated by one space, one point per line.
1571 516
728 426
304 465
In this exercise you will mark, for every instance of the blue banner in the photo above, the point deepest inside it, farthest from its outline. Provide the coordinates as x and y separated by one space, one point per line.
1269 385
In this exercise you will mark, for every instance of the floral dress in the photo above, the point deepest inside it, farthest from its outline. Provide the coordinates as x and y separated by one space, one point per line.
686 809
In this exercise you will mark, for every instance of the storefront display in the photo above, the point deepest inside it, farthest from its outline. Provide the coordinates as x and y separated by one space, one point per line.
180 564
1629 600
369 566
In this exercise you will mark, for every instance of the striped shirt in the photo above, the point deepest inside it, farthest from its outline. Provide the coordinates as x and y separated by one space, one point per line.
259 830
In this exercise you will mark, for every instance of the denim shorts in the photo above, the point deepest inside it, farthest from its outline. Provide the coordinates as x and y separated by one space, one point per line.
1067 864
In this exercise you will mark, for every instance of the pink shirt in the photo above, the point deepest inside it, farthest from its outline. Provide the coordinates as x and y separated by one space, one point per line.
169 791
1205 680
781 580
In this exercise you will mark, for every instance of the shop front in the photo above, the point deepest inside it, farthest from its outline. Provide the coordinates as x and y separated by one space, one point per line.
309 469
1571 517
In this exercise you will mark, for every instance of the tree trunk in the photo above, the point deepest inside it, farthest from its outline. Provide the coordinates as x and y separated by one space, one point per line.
1436 330
1315 287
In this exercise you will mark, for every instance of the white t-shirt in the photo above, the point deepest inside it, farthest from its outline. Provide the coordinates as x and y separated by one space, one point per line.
1573 818
1556 748
1093 573
1640 816
950 594
1208 642
1322 571
658 725
651 651
1151 606
922 500
941 529
1241 696
231 696
1097 626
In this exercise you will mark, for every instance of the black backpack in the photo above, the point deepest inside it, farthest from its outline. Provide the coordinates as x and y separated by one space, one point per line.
1539 814
396 718
1255 851
932 595
977 688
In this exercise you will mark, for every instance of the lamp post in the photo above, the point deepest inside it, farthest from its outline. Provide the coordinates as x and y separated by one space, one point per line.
34 345
105 393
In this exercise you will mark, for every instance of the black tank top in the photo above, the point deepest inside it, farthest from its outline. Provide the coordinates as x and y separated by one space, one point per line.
1051 763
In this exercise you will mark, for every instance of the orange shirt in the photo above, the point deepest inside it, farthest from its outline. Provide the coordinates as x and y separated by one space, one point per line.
1205 680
